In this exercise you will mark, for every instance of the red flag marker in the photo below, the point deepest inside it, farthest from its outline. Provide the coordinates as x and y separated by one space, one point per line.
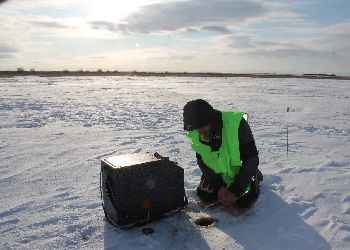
146 204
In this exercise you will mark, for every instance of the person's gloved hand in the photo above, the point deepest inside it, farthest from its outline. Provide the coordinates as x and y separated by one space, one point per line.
226 197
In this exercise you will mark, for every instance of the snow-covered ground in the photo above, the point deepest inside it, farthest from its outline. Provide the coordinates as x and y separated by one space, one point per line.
54 131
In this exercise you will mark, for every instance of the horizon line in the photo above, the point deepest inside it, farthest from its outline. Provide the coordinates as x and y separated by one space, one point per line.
100 72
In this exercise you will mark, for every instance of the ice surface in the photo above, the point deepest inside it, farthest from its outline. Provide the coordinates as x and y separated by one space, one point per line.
54 131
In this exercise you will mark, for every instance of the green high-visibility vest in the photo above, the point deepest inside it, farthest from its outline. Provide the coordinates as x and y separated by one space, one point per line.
226 161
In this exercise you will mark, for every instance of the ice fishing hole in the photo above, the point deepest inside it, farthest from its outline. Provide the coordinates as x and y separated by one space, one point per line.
205 221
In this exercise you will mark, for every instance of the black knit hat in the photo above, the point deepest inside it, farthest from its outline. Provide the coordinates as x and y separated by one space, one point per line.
197 114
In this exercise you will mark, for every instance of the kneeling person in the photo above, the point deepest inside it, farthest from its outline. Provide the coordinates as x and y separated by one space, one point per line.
226 154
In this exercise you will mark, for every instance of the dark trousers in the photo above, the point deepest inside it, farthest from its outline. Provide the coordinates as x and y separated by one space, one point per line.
209 193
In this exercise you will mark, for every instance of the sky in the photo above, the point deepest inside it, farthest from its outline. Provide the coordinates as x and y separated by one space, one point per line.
237 36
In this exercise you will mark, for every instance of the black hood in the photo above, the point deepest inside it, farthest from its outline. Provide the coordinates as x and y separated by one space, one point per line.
197 114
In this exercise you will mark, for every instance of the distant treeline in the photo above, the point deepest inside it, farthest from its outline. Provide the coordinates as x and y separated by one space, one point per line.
63 73
327 75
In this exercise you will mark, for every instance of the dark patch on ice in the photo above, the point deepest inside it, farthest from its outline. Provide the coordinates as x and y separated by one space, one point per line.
147 230
58 134
308 213
286 171
65 194
21 105
126 142
28 239
15 210
335 164
310 129
71 198
62 189
196 172
87 233
346 210
56 220
106 88
138 150
9 222
33 123
271 179
94 205
87 124
175 151
346 198
319 196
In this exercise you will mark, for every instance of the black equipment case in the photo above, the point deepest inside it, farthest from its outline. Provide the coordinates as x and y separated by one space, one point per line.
138 188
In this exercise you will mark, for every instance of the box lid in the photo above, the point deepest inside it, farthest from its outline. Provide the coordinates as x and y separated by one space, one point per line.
129 159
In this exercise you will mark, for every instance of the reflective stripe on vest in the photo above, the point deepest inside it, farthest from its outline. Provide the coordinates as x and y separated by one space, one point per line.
226 161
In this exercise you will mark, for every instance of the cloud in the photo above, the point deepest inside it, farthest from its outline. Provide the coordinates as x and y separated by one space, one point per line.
240 42
332 38
20 4
340 28
6 56
289 52
269 43
211 28
181 15
7 51
218 29
103 25
251 42
191 30
253 46
50 24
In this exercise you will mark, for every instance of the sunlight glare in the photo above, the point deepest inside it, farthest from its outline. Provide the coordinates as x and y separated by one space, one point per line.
109 10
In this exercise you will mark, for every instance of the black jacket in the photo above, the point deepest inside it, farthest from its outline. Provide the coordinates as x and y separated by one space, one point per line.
248 153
